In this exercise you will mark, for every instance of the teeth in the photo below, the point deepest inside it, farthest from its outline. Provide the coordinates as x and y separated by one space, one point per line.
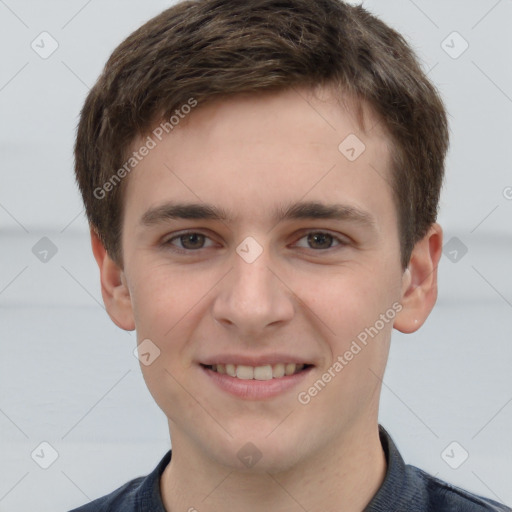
244 372
278 370
265 372
289 368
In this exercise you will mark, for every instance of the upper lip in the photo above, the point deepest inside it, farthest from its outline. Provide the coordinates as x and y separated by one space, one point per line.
248 360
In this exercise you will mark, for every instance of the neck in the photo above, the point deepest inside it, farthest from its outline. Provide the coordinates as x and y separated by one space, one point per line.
344 479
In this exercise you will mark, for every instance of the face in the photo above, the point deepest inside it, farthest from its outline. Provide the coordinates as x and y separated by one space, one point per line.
270 303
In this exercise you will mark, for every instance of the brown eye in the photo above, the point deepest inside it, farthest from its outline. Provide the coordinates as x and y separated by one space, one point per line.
321 240
190 241
318 240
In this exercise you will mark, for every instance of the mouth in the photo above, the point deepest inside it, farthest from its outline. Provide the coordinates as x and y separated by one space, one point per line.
263 372
262 382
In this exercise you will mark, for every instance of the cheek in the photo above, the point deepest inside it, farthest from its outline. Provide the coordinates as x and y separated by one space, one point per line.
163 297
166 304
357 339
349 301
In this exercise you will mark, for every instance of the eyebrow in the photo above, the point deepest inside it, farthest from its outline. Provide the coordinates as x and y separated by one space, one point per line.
300 210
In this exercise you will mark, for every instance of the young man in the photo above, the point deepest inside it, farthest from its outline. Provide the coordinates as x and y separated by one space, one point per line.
262 182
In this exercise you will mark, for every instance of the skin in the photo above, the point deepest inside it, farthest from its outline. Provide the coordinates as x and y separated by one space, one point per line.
250 154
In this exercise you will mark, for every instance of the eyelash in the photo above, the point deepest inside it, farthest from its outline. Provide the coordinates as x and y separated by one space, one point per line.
167 243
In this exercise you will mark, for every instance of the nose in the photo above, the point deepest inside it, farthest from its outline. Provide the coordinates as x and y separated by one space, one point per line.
253 297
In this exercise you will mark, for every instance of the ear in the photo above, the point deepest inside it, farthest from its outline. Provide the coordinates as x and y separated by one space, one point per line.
114 289
419 282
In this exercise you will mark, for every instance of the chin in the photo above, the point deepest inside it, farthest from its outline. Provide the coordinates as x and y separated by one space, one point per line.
254 452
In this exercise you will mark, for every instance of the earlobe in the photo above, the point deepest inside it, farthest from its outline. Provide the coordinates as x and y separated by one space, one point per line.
114 288
419 282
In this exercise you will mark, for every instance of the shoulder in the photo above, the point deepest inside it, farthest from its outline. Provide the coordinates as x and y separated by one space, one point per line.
138 495
443 496
407 488
122 498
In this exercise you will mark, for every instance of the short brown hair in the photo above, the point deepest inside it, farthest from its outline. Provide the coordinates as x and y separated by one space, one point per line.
207 49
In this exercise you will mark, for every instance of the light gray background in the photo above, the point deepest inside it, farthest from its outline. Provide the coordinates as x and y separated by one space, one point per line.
68 375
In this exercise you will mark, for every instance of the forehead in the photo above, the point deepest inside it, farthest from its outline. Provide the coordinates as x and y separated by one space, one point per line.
252 154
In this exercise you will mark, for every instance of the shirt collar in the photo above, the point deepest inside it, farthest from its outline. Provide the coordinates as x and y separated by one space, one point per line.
395 491
398 487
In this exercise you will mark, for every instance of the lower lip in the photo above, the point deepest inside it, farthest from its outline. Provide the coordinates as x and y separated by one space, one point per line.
252 389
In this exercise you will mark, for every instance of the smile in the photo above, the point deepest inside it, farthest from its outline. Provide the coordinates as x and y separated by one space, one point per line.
264 372
261 382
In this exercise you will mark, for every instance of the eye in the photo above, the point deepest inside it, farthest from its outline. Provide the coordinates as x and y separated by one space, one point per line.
321 240
189 241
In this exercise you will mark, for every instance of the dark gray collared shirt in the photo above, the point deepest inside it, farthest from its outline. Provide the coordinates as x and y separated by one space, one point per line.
405 489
